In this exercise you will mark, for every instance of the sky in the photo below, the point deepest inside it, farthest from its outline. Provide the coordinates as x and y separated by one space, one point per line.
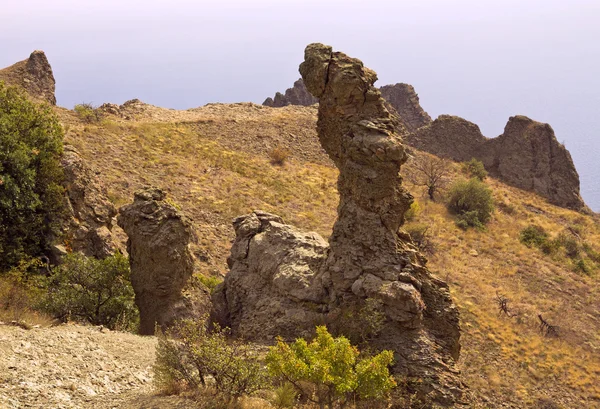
484 60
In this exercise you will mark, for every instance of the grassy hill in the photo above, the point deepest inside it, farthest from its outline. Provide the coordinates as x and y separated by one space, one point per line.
217 162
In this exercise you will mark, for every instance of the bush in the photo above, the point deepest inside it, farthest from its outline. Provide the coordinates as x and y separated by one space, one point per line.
413 211
190 352
88 113
359 322
19 290
570 245
330 371
31 192
91 290
279 155
475 169
472 201
420 235
284 396
533 236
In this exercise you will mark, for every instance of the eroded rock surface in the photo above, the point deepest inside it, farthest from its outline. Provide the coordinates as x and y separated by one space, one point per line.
297 95
284 282
404 99
89 229
34 75
527 155
160 242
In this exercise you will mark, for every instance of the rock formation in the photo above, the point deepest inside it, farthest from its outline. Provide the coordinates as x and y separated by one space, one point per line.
401 97
527 155
297 95
283 282
404 99
34 75
89 227
160 240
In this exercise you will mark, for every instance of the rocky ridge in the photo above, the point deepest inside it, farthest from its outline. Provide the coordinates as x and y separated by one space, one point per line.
297 95
34 75
527 155
404 99
282 281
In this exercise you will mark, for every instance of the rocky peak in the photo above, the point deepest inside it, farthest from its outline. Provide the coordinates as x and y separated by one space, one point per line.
404 99
527 155
34 75
297 95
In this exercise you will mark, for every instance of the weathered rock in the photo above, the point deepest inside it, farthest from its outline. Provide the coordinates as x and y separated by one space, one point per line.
283 282
34 75
89 227
297 95
160 241
527 155
404 99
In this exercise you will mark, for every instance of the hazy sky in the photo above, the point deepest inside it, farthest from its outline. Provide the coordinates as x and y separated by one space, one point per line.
482 60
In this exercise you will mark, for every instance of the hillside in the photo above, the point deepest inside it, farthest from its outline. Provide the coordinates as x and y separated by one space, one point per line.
214 161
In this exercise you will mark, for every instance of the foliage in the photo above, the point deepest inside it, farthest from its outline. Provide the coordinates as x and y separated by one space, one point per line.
284 396
92 290
413 211
533 235
279 155
472 201
31 192
190 352
88 113
359 322
209 281
431 172
421 236
329 371
18 289
475 169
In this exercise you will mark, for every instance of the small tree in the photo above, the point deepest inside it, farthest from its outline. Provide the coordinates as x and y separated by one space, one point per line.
31 192
92 290
190 352
431 172
471 200
330 371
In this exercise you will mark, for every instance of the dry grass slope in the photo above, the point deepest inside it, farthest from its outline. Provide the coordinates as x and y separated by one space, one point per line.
214 161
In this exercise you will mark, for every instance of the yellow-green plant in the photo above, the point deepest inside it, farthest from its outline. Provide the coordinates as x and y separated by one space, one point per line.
331 371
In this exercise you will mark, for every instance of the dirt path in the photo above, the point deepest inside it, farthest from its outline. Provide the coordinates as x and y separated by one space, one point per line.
72 366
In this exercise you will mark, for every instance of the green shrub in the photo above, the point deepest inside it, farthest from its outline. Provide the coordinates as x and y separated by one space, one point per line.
359 322
570 244
88 113
475 169
413 211
284 396
330 371
533 236
582 266
31 192
209 281
190 352
471 200
92 290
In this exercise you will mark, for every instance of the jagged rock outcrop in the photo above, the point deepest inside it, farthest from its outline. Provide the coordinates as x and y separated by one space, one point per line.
34 75
160 241
283 282
527 155
89 227
404 99
297 95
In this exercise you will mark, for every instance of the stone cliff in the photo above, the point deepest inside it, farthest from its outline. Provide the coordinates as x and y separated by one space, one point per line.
34 75
527 155
283 281
404 99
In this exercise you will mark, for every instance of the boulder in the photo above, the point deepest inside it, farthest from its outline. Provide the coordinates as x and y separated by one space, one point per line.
160 246
34 75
